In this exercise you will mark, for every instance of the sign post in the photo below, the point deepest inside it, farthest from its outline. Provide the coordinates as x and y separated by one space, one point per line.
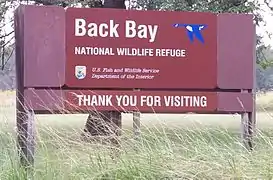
24 116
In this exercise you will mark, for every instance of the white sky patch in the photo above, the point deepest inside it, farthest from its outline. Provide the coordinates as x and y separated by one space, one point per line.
268 18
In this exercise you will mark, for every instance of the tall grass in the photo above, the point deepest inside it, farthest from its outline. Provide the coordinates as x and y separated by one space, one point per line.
162 152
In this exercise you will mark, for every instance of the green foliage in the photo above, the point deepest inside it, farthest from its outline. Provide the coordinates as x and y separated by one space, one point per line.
4 5
91 3
264 56
4 47
266 63
65 3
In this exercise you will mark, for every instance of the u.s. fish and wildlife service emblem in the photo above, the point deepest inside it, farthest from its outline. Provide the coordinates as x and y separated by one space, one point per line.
80 72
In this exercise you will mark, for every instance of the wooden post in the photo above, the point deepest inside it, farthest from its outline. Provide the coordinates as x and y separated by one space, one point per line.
136 125
248 120
24 117
253 115
247 127
25 133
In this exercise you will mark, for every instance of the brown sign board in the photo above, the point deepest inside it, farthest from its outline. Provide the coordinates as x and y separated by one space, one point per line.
158 52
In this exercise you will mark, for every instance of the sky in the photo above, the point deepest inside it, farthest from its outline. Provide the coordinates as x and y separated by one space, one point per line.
267 15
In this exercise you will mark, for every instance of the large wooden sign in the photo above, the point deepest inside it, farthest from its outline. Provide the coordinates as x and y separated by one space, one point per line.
81 59
171 58
74 50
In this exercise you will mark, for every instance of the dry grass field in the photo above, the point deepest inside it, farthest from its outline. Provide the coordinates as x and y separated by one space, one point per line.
183 146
